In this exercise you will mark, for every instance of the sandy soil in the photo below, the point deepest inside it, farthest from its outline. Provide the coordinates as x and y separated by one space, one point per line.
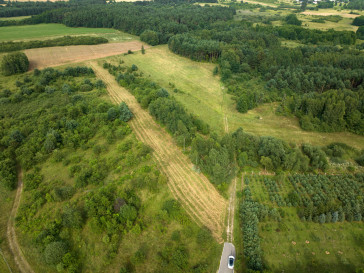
54 56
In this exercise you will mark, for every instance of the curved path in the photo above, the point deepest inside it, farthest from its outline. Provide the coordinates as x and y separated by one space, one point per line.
19 258
197 195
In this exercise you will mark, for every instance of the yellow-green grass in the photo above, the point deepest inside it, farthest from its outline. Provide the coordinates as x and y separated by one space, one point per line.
6 202
202 95
28 32
18 18
343 24
338 239
284 243
3 267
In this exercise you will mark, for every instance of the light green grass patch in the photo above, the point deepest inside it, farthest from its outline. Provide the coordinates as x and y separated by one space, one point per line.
26 32
203 95
18 18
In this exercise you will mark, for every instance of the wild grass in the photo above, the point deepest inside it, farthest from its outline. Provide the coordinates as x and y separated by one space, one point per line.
295 246
203 95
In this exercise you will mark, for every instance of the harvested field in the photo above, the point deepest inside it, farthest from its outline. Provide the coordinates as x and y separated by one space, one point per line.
54 56
197 195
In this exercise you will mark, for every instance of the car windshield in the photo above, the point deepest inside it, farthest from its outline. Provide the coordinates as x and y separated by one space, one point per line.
231 261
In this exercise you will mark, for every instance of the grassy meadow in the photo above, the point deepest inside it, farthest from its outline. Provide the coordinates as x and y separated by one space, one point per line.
203 94
295 246
46 31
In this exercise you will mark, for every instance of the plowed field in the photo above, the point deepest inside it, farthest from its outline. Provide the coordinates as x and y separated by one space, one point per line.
54 56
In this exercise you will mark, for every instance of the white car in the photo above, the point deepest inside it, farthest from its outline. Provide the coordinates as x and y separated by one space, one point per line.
231 262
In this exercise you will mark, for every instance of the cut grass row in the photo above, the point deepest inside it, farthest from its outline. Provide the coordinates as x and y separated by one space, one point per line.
200 199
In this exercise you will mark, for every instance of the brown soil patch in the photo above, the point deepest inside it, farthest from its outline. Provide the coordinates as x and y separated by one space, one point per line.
197 195
54 56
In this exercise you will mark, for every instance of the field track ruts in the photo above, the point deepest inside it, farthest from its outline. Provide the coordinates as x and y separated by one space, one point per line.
19 258
197 195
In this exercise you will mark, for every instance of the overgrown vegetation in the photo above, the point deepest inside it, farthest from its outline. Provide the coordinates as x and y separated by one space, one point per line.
87 179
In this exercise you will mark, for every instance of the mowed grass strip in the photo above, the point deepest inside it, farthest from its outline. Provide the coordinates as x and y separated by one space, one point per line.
197 195
203 95
26 32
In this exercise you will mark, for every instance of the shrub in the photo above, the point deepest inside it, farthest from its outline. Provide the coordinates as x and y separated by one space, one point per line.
360 33
359 21
54 252
150 37
293 20
14 63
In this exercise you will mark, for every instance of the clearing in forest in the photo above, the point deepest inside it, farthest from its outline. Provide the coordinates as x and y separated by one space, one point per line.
54 56
197 195
203 95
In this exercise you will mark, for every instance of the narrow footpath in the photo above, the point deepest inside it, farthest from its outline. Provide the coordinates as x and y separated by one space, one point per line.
15 248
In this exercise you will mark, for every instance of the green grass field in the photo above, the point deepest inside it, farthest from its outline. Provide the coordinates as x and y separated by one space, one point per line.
202 94
295 246
46 31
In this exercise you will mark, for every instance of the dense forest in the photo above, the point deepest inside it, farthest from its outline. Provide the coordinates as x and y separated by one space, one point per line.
14 8
165 20
244 51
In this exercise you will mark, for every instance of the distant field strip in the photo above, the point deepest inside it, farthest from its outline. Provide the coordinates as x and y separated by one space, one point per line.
54 56
197 195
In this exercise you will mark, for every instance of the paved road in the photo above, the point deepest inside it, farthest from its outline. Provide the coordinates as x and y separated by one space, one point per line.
229 249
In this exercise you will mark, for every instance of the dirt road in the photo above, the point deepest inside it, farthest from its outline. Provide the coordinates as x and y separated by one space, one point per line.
19 258
197 195
231 212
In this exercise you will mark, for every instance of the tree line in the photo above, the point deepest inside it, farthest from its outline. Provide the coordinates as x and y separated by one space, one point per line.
63 41
160 103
